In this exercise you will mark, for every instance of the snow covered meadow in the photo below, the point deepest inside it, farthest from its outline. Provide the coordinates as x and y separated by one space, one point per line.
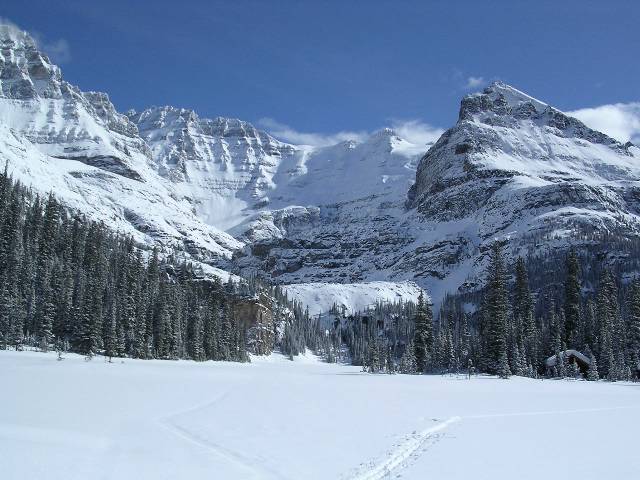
276 419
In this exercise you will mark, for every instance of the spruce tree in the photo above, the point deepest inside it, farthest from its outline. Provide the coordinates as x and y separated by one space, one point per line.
496 312
503 370
633 322
592 374
423 336
572 305
607 313
408 362
522 301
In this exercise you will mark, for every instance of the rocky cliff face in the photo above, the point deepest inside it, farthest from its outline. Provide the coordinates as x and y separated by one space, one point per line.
256 314
225 166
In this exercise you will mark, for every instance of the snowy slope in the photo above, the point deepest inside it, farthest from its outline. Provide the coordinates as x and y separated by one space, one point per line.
352 297
275 419
240 177
225 166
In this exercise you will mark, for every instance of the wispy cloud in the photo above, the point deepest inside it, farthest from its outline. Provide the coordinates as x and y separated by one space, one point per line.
58 50
473 83
416 131
291 135
619 120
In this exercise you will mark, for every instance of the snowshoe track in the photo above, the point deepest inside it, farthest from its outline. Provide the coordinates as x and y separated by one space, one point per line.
397 457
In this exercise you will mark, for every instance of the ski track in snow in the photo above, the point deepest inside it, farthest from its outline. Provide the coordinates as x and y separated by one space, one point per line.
255 469
397 457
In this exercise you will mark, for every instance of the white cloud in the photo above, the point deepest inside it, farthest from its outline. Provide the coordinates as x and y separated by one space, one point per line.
474 82
289 134
8 23
58 50
620 120
416 131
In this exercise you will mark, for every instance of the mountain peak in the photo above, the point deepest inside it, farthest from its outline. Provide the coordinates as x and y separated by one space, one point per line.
500 98
26 72
511 94
10 33
384 135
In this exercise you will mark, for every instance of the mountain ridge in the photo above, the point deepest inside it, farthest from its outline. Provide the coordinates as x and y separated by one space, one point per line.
229 194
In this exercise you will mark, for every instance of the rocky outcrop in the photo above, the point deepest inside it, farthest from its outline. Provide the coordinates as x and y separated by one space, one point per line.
256 315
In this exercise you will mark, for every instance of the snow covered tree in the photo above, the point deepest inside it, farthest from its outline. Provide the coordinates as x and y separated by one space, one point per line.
408 362
109 335
607 314
592 374
503 370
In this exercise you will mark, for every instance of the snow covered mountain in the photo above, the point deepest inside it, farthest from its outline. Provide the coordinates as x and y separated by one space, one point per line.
232 170
59 139
225 166
265 192
377 210
166 176
512 167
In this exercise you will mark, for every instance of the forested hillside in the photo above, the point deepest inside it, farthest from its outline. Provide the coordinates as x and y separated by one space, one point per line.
512 325
69 283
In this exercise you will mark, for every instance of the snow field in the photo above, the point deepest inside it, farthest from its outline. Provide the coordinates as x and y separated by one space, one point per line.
275 419
354 297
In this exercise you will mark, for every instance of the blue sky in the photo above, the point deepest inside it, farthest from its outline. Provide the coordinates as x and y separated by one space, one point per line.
327 67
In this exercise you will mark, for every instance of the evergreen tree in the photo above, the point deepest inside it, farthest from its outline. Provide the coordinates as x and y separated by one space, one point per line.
633 322
503 370
572 305
496 312
408 362
562 365
592 373
522 301
607 317
109 335
423 336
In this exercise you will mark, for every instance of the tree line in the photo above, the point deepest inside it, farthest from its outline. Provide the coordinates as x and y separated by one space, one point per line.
512 331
